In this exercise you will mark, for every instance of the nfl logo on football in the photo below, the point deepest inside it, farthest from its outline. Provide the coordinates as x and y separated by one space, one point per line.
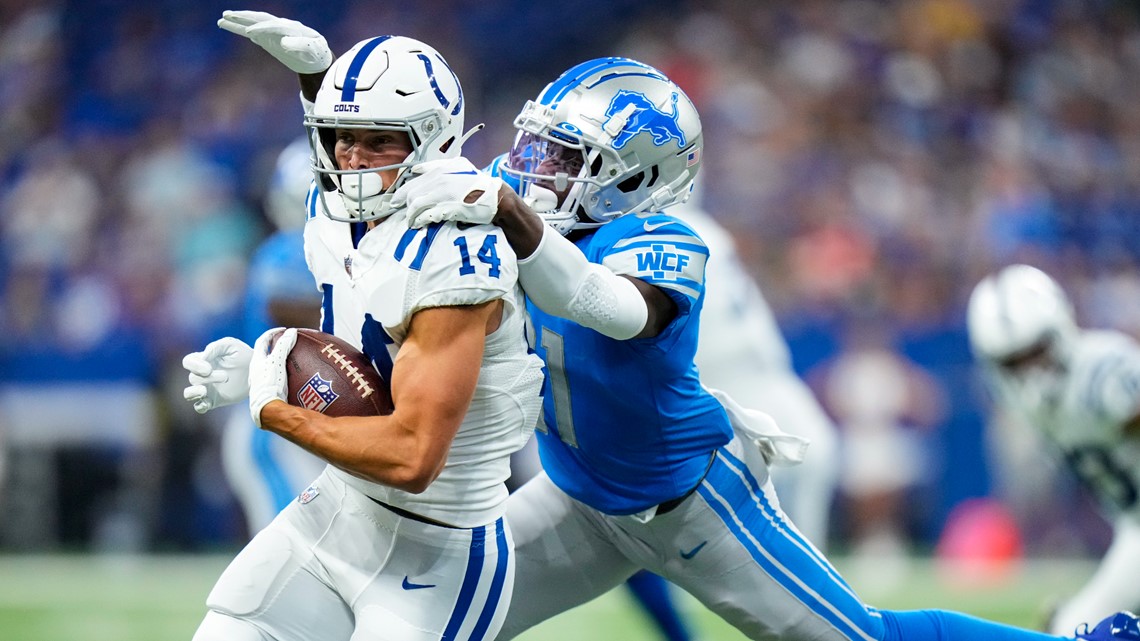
316 394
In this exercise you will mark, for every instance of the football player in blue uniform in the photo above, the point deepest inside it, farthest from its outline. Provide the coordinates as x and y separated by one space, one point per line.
643 466
265 471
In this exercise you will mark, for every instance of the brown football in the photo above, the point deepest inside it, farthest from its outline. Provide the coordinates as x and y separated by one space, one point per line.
328 375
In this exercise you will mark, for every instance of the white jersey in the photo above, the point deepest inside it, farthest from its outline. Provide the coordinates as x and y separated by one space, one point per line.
742 352
371 293
739 334
1084 413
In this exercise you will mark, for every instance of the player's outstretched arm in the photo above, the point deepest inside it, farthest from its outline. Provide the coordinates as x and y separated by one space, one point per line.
300 48
557 277
552 271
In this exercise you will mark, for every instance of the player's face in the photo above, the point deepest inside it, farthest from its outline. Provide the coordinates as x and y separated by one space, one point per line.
538 155
370 148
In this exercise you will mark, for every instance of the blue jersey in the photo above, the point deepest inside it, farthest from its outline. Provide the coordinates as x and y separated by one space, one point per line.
276 271
627 423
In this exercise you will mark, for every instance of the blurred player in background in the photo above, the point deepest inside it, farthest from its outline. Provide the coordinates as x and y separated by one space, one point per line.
403 535
1080 389
643 467
741 351
265 471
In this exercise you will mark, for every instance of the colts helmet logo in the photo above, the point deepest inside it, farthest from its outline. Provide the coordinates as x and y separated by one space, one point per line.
316 394
640 115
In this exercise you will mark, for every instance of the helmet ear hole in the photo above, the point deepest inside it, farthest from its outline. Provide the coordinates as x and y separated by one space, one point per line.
632 183
654 174
596 164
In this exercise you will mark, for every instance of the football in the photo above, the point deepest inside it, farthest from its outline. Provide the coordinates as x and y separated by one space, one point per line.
329 376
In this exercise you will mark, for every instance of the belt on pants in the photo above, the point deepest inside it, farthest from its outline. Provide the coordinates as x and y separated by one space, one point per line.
666 507
412 515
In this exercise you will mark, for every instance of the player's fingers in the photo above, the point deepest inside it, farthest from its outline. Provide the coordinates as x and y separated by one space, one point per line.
233 28
197 364
202 406
261 346
215 377
246 18
194 392
285 342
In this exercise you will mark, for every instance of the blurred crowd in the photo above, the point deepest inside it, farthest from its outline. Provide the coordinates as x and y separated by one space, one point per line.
873 158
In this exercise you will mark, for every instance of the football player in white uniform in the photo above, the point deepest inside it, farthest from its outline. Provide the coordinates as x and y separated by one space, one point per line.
742 352
402 536
1081 390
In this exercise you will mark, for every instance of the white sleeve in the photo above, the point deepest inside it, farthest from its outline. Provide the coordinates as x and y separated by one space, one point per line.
305 104
559 279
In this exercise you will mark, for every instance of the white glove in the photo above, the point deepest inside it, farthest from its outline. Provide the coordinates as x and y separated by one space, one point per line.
219 374
298 47
268 380
437 191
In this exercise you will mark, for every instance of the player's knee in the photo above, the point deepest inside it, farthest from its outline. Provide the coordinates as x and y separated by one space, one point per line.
220 627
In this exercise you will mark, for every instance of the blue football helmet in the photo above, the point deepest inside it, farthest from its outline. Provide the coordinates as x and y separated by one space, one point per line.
609 137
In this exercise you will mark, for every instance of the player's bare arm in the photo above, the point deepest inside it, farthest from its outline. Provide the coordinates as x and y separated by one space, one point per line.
433 380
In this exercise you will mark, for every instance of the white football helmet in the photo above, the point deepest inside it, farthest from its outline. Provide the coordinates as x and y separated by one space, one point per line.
289 186
615 135
389 83
1018 314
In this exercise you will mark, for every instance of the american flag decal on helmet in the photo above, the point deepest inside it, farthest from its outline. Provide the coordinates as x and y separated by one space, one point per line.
693 158
316 394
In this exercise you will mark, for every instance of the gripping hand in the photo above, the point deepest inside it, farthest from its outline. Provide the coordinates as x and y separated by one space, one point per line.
298 47
441 190
268 380
219 374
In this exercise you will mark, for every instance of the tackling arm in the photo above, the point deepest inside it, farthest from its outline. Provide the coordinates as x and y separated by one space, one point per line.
559 279
433 381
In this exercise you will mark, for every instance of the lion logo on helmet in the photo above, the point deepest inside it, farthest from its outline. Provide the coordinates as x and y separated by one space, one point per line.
634 113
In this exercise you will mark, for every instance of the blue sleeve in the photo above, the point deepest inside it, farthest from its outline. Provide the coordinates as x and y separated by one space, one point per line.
658 249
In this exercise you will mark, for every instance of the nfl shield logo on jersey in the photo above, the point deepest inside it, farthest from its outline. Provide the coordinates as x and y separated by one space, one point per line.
317 394
309 494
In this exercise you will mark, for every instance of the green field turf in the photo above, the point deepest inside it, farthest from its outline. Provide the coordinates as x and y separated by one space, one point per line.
159 598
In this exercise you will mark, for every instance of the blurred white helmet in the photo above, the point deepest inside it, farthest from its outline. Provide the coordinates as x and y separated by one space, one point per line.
289 186
389 83
1020 314
619 134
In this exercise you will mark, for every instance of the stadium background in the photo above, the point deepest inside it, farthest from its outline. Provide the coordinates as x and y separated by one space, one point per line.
872 158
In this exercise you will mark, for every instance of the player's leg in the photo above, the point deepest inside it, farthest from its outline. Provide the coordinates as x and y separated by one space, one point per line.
268 587
216 626
654 595
740 556
562 557
1113 587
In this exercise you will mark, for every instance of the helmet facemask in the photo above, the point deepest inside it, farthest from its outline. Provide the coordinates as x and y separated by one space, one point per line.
553 175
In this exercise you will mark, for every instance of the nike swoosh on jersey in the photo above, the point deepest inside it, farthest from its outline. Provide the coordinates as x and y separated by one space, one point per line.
408 585
653 226
693 552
